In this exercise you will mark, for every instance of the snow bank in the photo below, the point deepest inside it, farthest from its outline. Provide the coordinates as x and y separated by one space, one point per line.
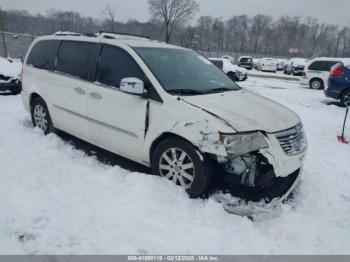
54 199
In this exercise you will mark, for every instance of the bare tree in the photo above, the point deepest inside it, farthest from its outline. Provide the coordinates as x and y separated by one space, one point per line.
111 14
173 13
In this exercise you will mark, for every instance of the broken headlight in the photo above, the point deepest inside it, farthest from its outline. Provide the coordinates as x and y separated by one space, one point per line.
240 144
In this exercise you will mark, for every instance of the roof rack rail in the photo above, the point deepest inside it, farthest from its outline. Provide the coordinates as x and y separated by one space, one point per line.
63 33
115 35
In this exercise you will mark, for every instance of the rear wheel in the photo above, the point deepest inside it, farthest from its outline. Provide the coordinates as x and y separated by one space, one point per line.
316 84
40 116
345 98
177 160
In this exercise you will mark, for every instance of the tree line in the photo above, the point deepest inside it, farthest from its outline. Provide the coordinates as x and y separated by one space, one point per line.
255 35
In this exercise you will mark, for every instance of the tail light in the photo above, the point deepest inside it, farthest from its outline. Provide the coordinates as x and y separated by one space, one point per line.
337 70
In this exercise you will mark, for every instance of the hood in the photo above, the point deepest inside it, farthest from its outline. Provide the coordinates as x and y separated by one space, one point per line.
246 111
235 68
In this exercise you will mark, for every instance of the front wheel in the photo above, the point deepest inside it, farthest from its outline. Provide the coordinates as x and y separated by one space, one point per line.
179 161
41 116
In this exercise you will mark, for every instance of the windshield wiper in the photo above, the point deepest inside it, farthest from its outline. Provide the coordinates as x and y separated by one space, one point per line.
185 91
220 90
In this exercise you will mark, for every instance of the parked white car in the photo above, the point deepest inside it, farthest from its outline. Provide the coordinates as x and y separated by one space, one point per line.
268 65
10 72
316 74
235 72
164 107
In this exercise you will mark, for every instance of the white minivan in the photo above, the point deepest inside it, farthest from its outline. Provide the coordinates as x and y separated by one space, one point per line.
165 107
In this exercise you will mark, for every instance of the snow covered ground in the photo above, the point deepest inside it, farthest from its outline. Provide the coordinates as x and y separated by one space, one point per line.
55 199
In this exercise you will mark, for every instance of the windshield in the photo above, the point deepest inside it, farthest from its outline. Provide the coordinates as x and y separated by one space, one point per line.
184 71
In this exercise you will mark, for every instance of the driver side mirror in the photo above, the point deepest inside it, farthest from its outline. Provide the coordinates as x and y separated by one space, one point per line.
132 85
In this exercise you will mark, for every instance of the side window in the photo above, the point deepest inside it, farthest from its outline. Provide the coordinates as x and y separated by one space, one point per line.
115 64
317 66
329 65
76 58
43 54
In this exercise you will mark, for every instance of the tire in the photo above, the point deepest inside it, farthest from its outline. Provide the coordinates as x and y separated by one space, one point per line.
40 116
345 98
232 76
316 84
188 162
15 92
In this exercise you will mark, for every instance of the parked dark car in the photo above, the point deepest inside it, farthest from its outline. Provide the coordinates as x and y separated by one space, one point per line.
295 67
339 83
246 62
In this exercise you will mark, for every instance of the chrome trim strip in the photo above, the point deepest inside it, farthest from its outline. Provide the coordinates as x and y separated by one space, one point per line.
114 128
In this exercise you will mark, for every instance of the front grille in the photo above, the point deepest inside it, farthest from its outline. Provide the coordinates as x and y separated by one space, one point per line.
292 141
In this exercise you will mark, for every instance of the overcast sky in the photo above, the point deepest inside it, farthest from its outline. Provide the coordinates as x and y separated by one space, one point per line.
334 12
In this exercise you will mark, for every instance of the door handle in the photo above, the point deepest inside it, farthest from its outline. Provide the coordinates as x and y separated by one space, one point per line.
96 96
80 91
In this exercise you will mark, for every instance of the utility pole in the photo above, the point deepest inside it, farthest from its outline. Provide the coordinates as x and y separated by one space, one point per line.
2 28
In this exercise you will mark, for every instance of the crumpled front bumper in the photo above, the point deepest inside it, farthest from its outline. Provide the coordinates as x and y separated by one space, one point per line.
10 85
255 209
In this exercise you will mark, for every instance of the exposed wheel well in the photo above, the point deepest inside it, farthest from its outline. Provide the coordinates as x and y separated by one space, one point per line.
160 139
316 78
32 97
343 92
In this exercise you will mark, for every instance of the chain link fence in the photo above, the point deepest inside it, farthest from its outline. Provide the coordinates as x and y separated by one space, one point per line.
16 45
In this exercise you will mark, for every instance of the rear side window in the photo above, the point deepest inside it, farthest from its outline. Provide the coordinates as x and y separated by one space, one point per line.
76 58
322 65
115 64
43 54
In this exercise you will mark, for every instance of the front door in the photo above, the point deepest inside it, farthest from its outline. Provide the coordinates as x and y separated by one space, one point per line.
116 119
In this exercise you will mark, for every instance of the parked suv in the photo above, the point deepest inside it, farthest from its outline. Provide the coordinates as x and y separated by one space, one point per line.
246 62
317 73
164 107
339 82
10 75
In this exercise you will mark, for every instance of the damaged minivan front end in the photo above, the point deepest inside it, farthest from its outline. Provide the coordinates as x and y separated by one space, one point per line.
260 167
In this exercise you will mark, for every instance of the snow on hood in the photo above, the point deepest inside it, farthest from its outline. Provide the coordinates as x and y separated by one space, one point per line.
10 69
246 111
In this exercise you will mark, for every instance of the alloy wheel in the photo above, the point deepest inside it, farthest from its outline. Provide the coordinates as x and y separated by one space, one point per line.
176 165
40 117
316 85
